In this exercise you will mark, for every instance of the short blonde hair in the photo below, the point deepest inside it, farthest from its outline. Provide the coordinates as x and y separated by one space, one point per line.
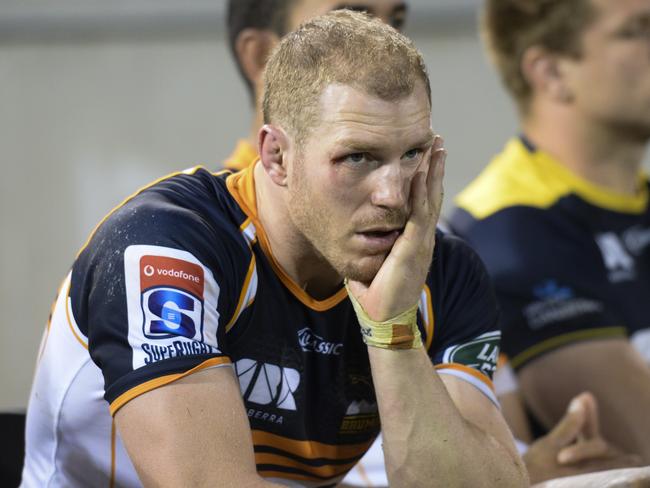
344 47
510 27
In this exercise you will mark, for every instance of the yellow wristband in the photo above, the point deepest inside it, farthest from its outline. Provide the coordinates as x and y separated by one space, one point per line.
400 332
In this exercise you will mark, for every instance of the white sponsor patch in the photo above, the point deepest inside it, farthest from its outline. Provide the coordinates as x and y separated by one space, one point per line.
480 353
267 384
544 312
172 304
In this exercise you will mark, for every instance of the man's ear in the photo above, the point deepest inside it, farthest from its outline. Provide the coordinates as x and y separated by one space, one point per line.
545 73
253 48
272 145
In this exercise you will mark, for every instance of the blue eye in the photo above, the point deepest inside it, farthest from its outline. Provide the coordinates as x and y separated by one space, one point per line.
412 154
355 158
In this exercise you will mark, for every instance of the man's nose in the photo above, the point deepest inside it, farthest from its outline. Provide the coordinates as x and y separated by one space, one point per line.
391 186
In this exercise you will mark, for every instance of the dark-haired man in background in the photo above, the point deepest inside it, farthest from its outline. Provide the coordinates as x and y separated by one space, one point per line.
254 29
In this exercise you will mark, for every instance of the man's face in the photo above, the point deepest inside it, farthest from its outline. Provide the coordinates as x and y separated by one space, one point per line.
350 184
392 12
611 81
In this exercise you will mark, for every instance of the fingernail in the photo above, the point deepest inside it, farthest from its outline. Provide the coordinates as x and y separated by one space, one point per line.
563 457
575 405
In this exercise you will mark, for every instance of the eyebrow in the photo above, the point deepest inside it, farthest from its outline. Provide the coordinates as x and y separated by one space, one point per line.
361 146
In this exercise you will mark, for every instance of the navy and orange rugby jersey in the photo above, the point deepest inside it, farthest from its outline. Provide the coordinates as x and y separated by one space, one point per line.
181 278
570 260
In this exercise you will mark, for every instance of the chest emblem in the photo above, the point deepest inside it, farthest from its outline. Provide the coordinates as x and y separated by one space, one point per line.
267 384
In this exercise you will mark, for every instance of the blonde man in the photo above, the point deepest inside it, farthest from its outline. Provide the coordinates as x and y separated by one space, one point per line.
210 312
561 216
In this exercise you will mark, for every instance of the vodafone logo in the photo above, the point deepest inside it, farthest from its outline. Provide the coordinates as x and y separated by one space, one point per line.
174 273
157 271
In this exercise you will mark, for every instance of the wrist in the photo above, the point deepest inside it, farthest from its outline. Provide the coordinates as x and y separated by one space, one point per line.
399 332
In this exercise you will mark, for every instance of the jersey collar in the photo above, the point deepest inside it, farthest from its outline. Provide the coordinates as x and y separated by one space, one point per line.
242 187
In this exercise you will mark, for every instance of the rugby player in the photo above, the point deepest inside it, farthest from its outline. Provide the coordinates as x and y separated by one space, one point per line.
256 26
250 328
561 217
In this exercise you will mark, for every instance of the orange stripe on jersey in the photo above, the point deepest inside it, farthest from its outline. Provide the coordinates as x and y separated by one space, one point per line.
502 361
133 195
326 471
310 449
129 395
67 316
242 295
468 370
242 187
46 333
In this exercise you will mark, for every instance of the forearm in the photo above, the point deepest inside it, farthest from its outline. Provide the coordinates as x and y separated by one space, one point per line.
427 442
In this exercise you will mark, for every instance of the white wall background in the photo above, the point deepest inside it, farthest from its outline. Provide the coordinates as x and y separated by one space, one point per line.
99 98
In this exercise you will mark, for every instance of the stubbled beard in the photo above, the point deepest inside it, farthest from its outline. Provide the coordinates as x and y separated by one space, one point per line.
364 274
314 221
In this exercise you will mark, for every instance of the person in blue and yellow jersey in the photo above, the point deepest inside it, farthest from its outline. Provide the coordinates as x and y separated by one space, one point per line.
561 217
256 26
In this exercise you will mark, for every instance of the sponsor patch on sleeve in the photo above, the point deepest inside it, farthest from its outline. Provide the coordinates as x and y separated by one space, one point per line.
172 304
480 353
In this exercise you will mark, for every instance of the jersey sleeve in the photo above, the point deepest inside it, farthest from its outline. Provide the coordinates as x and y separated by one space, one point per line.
551 290
465 338
153 291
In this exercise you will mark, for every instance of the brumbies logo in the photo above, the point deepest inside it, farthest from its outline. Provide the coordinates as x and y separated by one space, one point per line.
171 298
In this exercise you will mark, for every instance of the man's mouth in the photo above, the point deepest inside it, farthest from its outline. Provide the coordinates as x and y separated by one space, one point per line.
379 240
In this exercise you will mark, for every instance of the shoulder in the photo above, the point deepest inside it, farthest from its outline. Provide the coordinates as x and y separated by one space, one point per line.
452 253
191 210
518 176
458 277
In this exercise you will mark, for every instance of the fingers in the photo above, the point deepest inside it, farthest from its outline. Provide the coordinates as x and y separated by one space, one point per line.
583 451
435 176
592 425
567 430
426 186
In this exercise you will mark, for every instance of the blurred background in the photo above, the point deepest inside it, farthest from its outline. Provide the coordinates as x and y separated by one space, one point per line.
98 98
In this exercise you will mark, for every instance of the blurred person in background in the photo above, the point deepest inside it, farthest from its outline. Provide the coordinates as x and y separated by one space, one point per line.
256 26
561 217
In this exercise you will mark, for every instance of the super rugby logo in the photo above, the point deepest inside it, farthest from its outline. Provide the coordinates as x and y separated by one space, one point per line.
171 298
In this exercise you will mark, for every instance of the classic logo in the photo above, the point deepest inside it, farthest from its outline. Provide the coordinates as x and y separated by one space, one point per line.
310 342
171 298
480 353
267 384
